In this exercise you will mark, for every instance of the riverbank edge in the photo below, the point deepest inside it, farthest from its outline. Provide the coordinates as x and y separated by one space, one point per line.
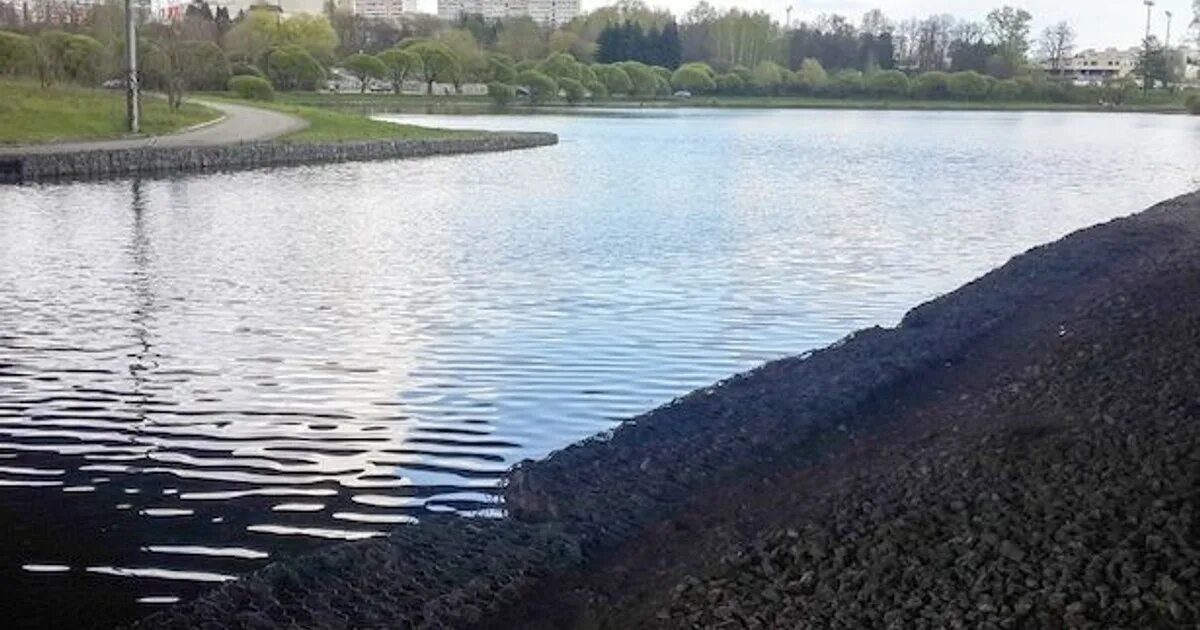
115 163
593 495
390 103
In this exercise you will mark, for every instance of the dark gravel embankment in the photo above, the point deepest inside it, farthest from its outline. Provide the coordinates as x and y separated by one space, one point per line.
1020 453
1046 477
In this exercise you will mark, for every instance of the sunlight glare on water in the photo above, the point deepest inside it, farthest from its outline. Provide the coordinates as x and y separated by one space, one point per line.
203 373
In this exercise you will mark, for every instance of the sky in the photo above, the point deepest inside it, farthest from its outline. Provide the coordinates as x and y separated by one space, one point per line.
1099 23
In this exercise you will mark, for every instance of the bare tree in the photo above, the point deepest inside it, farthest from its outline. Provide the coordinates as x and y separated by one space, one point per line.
1057 44
874 22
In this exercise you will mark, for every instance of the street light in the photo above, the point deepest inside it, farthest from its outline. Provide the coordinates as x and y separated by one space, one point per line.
1167 44
133 114
1149 10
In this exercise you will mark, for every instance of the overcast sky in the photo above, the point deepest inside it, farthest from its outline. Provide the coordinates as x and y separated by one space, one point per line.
1100 23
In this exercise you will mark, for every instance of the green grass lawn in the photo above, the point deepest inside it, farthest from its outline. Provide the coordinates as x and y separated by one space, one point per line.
328 125
31 114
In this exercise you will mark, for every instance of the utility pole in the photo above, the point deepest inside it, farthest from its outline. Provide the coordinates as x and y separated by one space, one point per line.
133 114
1167 44
1149 14
1146 49
788 26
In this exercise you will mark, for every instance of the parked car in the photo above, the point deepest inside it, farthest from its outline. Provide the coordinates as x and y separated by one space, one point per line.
113 84
683 94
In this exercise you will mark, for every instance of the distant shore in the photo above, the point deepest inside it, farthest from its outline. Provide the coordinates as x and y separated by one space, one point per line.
1040 418
482 104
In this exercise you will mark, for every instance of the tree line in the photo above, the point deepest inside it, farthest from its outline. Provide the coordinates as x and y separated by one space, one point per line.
739 52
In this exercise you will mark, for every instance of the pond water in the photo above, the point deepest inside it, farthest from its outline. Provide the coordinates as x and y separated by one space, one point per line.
201 374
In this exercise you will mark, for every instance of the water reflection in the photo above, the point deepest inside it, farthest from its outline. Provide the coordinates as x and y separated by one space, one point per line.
203 374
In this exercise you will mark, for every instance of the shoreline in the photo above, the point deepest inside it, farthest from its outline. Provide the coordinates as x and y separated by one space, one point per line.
389 102
53 166
592 527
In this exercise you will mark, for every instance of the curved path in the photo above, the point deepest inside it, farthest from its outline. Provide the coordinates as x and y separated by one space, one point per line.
241 123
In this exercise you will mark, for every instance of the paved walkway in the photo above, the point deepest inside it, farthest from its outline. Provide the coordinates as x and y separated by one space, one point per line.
240 124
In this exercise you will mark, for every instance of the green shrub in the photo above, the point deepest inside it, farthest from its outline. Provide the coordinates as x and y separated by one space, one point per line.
615 80
846 83
1193 104
572 89
1007 90
596 88
501 93
931 85
730 83
887 84
696 78
247 69
968 86
541 87
251 88
16 53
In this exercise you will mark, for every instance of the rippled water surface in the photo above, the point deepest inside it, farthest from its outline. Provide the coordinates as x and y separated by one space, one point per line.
201 374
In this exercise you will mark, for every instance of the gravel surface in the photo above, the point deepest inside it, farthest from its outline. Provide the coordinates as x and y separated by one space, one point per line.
1020 453
1045 475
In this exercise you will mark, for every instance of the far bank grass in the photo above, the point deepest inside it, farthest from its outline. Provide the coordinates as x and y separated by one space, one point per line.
327 125
383 102
31 114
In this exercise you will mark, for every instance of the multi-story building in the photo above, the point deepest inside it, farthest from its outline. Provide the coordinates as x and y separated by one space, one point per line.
1093 67
57 12
545 12
379 9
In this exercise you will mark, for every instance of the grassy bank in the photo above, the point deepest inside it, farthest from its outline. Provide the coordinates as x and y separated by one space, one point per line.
378 102
330 125
31 114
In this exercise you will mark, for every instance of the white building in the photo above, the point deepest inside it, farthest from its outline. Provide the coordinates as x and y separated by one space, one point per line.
545 12
379 9
1094 67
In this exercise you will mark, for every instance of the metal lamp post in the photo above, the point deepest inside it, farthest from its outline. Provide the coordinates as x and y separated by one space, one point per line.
1146 47
133 112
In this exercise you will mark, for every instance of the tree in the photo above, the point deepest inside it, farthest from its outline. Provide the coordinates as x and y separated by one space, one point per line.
1006 90
811 77
501 93
644 81
313 33
967 86
846 83
437 63
501 68
364 68
573 90
887 83
1009 30
615 79
1153 65
1057 44
694 77
730 83
16 53
291 67
259 32
560 66
571 43
541 87
521 38
768 77
399 64
931 85
472 62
